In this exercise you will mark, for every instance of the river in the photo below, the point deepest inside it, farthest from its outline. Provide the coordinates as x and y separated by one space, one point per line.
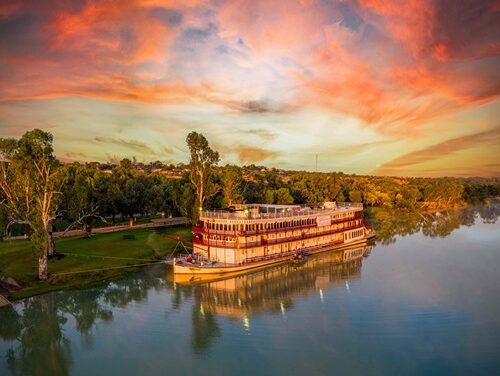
424 299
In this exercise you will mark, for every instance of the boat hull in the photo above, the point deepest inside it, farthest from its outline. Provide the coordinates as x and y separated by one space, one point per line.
222 270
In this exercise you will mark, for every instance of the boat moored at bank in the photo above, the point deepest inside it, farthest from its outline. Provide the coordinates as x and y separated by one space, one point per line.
254 236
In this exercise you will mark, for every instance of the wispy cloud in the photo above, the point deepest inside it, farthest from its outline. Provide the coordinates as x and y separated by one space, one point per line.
136 146
262 133
440 150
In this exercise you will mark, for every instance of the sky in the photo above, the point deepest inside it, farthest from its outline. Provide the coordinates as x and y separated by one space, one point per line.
402 88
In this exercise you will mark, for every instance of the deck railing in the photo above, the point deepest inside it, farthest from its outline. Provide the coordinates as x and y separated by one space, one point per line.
220 214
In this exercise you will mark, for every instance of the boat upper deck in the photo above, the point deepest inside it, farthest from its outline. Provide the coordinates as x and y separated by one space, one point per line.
265 211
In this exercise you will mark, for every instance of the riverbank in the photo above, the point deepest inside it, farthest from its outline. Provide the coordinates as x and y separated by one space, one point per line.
86 261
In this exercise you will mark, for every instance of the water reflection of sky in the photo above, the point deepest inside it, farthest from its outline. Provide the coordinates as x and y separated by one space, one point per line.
419 304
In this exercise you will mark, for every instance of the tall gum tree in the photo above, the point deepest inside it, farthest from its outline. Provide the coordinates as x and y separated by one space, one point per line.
232 185
203 160
31 181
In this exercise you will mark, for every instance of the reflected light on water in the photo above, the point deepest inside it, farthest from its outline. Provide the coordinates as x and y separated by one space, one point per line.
283 310
246 324
321 297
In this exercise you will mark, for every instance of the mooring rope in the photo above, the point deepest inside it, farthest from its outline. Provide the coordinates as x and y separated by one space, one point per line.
104 269
105 257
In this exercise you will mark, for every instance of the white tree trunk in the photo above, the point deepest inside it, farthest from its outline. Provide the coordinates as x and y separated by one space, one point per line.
51 246
42 266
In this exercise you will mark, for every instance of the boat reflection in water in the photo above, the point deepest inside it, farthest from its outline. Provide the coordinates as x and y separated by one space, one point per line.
274 288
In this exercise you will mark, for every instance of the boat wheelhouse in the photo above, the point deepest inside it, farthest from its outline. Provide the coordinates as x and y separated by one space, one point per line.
249 236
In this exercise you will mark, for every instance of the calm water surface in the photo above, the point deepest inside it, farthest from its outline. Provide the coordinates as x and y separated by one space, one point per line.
424 300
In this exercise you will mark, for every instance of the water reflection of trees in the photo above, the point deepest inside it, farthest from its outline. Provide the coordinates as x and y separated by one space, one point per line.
437 224
36 325
42 347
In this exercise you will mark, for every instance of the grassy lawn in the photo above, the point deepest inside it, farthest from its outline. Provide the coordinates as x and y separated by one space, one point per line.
19 261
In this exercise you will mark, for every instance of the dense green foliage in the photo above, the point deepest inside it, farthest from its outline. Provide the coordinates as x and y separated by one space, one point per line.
201 166
127 190
31 182
105 192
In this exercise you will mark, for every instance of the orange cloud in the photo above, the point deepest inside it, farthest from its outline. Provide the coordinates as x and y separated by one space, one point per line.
248 154
438 151
273 26
447 30
113 31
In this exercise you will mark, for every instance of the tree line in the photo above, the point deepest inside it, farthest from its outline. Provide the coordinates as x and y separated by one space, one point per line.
45 195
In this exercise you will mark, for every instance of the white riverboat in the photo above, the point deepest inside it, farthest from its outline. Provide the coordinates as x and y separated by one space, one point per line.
246 237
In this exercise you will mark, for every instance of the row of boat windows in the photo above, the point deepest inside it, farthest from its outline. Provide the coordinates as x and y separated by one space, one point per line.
222 238
259 226
347 235
342 215
354 234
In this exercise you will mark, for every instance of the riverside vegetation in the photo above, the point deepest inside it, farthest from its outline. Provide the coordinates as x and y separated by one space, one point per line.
40 195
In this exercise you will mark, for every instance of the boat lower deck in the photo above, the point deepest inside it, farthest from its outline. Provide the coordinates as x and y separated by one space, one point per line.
181 266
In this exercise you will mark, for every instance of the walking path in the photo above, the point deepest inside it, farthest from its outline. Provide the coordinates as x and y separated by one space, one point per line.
155 223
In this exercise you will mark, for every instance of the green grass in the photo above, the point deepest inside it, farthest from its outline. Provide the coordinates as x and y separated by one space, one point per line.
19 261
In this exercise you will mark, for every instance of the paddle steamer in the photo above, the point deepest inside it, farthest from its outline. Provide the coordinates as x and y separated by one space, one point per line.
246 237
